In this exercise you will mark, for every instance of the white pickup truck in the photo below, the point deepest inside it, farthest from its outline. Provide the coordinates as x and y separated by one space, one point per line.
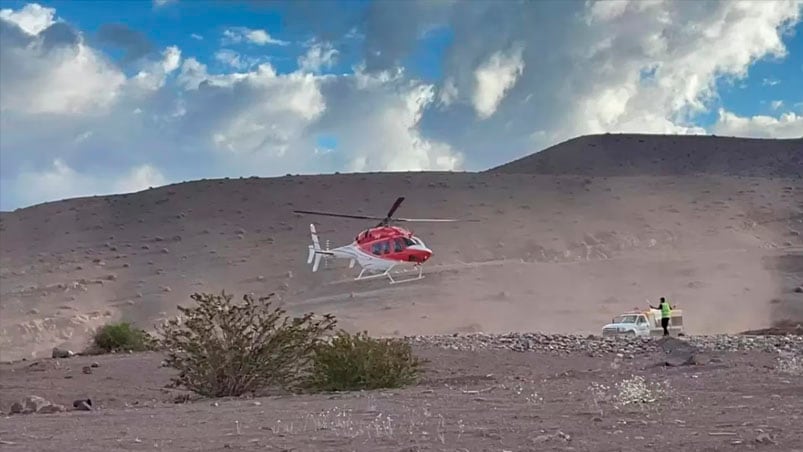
644 323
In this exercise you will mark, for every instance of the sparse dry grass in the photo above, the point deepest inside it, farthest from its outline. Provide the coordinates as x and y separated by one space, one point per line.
632 391
413 423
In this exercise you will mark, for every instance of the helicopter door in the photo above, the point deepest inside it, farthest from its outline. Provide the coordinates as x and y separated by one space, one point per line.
398 245
376 248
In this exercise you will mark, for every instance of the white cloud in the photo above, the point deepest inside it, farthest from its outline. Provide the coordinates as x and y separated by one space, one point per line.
494 78
319 55
274 117
776 104
173 118
688 48
60 181
244 34
230 58
32 18
42 74
377 124
635 66
787 125
154 74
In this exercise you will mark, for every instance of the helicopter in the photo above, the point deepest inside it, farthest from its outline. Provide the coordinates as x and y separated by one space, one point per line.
378 249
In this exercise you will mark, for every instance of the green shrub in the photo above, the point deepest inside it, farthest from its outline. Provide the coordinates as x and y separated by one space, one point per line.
353 362
121 336
226 349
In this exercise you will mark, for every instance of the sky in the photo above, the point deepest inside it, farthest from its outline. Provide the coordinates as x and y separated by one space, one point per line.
101 97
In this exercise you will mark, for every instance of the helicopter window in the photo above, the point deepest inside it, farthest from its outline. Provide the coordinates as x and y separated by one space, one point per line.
408 242
399 245
386 247
376 248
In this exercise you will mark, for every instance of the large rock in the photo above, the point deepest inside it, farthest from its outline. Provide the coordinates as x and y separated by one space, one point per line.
83 405
61 353
36 404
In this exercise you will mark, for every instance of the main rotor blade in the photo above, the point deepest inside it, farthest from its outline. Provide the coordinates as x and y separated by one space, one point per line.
428 219
395 206
342 215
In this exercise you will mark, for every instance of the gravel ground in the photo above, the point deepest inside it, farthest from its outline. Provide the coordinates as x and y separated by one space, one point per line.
478 393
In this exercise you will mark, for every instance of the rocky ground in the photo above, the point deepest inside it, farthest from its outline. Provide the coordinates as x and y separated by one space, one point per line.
523 392
564 242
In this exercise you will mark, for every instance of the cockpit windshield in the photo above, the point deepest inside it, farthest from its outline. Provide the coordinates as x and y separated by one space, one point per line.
625 319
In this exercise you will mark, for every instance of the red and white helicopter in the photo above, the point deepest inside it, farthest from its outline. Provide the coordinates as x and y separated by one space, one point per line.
378 249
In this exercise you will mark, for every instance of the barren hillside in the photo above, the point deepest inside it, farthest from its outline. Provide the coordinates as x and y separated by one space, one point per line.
665 155
552 252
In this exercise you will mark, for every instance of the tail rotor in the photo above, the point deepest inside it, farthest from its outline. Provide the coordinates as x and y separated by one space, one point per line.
315 250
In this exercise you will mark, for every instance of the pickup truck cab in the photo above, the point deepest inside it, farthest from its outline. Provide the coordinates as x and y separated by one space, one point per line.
644 323
628 325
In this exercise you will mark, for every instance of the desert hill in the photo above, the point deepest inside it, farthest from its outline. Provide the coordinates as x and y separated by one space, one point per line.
559 246
664 155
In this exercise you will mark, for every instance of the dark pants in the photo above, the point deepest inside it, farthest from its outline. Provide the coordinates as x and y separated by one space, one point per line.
665 324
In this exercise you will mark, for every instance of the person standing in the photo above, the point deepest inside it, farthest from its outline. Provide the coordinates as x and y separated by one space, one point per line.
666 314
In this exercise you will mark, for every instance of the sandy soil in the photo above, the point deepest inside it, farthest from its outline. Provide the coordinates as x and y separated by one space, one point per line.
550 252
477 401
565 241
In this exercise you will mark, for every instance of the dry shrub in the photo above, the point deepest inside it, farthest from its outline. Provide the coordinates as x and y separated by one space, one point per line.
226 349
355 362
789 363
121 337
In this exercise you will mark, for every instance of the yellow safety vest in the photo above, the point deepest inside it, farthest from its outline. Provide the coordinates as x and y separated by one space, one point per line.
665 310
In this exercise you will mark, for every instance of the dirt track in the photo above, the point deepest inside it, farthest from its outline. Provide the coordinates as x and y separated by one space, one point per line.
475 401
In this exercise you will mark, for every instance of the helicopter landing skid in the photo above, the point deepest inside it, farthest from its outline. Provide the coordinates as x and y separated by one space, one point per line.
388 274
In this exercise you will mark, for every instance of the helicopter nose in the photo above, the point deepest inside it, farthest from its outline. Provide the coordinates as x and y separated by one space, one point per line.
426 254
422 251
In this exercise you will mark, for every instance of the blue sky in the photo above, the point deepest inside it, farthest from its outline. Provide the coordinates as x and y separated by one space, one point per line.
176 22
769 80
139 94
197 28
